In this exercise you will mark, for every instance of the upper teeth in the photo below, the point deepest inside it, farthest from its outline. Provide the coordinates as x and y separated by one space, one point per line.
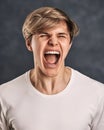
52 52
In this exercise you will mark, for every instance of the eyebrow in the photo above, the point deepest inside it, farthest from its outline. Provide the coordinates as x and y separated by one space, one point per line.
42 33
60 33
63 33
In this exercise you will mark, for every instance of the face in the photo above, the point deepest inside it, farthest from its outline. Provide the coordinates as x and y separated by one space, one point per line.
50 48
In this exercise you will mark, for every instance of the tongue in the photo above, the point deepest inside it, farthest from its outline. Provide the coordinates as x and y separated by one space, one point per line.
51 59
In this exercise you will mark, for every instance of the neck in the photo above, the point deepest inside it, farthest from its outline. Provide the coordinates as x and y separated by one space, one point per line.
50 85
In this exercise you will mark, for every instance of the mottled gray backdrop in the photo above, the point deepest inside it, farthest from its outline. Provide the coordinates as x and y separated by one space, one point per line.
86 54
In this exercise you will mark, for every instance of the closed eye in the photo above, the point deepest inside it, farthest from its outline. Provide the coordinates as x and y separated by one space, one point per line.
43 35
62 36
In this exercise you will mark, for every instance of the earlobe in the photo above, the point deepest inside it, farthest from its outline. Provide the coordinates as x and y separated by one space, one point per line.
28 45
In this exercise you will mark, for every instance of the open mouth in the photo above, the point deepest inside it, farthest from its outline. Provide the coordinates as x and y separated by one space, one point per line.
52 57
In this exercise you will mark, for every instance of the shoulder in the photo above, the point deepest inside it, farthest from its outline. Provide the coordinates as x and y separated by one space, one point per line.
13 92
88 90
88 84
13 87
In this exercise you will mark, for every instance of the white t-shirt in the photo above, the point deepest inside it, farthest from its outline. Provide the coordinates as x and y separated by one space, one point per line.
80 106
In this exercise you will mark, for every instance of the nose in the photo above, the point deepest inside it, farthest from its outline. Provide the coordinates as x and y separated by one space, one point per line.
53 41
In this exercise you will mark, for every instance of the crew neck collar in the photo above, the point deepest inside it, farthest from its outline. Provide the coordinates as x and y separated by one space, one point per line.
35 91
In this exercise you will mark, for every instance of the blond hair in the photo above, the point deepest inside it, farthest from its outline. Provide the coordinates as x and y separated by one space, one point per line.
44 18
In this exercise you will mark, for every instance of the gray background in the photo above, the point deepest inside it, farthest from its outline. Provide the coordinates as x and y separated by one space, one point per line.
86 54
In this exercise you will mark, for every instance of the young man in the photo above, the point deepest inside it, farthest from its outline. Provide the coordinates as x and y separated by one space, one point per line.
51 96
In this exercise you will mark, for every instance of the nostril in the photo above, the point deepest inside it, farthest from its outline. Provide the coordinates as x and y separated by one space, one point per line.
53 42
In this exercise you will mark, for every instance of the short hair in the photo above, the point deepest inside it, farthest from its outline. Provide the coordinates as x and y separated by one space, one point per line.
45 18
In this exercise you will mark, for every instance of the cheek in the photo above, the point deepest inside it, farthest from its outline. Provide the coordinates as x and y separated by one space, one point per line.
37 51
35 46
36 54
66 49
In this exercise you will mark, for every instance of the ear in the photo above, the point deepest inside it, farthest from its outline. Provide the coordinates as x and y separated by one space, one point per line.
28 45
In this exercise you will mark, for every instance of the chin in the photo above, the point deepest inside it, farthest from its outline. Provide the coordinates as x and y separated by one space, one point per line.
51 73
